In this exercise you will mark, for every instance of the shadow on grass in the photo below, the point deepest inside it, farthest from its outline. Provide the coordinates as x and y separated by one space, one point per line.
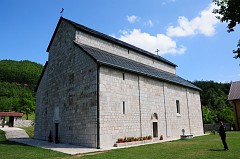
216 150
6 142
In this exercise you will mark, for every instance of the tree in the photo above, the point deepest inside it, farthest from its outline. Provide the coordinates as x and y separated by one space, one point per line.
214 102
229 11
27 104
208 115
18 80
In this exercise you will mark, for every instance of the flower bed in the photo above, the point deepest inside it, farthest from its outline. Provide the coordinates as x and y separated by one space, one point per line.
133 141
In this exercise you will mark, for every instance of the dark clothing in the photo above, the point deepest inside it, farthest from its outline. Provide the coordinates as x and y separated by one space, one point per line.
222 131
222 134
224 142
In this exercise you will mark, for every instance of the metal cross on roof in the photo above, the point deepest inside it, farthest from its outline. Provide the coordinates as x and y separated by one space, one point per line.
157 51
62 12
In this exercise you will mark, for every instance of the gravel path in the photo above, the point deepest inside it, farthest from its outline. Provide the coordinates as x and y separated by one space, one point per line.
14 133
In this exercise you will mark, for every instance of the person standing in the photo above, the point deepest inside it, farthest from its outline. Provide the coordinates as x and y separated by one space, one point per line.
222 134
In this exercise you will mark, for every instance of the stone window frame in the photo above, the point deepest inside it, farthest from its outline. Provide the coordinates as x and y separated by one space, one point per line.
124 107
178 107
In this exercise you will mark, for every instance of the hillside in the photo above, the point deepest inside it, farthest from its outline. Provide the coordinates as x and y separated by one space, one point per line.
214 102
18 80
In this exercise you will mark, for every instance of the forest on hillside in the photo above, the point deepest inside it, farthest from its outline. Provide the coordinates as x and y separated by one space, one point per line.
18 80
214 102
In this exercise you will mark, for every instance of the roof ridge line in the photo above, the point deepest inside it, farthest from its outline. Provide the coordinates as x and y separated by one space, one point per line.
125 58
119 42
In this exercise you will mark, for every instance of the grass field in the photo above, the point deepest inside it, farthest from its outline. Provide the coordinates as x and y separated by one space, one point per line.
30 116
204 147
29 130
12 150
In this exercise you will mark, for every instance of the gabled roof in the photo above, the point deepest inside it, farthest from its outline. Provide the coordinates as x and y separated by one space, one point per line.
119 62
40 78
110 39
234 92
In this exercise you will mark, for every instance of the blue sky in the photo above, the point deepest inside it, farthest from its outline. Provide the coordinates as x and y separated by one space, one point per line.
185 31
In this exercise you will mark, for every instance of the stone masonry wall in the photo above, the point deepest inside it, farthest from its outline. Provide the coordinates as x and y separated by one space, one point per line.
148 96
42 103
190 118
152 101
195 112
67 93
90 40
114 93
22 123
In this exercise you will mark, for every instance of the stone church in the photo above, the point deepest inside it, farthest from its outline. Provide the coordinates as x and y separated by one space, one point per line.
95 89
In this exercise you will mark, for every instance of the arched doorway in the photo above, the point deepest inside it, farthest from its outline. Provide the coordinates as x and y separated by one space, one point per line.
154 118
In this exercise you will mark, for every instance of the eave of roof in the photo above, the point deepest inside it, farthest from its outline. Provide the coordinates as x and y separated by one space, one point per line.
40 78
54 34
110 39
119 62
15 114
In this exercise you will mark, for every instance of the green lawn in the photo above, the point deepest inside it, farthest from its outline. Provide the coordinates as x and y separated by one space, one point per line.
30 116
12 150
204 147
29 130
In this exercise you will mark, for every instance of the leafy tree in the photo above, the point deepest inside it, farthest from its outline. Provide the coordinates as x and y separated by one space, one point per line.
214 100
225 114
27 106
208 115
229 11
237 51
18 80
25 72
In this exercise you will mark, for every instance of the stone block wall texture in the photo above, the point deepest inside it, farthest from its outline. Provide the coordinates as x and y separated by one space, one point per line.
22 123
129 103
90 40
146 96
67 93
114 91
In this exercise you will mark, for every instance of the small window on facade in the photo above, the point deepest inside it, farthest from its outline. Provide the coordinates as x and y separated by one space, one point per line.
71 78
123 76
123 107
178 106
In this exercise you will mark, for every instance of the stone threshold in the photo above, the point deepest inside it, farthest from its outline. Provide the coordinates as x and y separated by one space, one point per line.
186 136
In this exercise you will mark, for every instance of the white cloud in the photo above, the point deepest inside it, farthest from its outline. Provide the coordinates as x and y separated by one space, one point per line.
149 23
151 43
133 18
168 1
204 24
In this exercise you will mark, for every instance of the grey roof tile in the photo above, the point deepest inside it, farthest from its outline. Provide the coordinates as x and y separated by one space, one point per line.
119 62
119 42
234 92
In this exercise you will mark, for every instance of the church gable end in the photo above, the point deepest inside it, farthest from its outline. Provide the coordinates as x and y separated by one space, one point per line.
66 95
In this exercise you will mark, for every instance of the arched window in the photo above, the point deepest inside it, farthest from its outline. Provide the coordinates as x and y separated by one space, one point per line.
154 116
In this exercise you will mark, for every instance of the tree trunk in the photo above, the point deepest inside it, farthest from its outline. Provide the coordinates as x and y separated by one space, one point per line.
27 115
